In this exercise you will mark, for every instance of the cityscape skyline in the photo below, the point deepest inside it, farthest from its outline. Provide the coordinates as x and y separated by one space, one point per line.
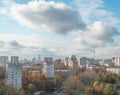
59 27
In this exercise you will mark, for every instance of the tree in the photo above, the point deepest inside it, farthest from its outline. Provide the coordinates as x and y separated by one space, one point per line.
109 79
88 78
21 91
7 90
31 89
109 90
49 85
58 80
72 86
89 90
99 88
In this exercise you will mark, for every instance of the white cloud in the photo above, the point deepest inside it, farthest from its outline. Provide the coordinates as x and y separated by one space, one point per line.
11 43
27 47
47 16
1 43
7 3
60 18
34 40
97 35
94 10
108 52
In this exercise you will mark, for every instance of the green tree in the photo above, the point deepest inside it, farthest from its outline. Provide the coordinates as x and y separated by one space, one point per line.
109 90
31 89
21 91
58 80
7 90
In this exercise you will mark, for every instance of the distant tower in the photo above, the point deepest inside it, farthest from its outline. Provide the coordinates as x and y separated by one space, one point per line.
48 67
14 59
66 61
14 74
34 59
39 58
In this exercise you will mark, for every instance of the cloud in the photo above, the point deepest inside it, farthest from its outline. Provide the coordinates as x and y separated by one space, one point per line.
24 47
11 45
48 16
7 3
94 10
2 43
97 35
14 44
108 52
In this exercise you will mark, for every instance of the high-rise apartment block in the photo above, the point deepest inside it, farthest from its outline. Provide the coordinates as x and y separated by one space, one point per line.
66 61
48 67
72 62
14 59
14 73
3 60
117 61
39 58
83 61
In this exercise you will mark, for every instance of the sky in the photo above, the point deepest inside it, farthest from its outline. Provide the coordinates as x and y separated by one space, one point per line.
60 28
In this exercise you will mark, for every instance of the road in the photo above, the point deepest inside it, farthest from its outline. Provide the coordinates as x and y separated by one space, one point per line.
58 92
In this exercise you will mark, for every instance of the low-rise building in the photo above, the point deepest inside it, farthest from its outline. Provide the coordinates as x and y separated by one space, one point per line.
115 70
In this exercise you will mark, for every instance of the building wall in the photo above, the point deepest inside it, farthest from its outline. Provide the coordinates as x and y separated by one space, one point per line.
14 75
66 61
117 61
58 62
72 62
113 70
48 70
48 67
3 60
14 59
85 61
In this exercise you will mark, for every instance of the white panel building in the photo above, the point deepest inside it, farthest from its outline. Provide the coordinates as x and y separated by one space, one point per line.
117 61
14 75
48 67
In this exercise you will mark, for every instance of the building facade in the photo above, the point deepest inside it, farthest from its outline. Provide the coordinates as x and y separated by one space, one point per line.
14 59
14 75
58 62
48 67
72 62
66 61
83 61
115 70
3 60
116 61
